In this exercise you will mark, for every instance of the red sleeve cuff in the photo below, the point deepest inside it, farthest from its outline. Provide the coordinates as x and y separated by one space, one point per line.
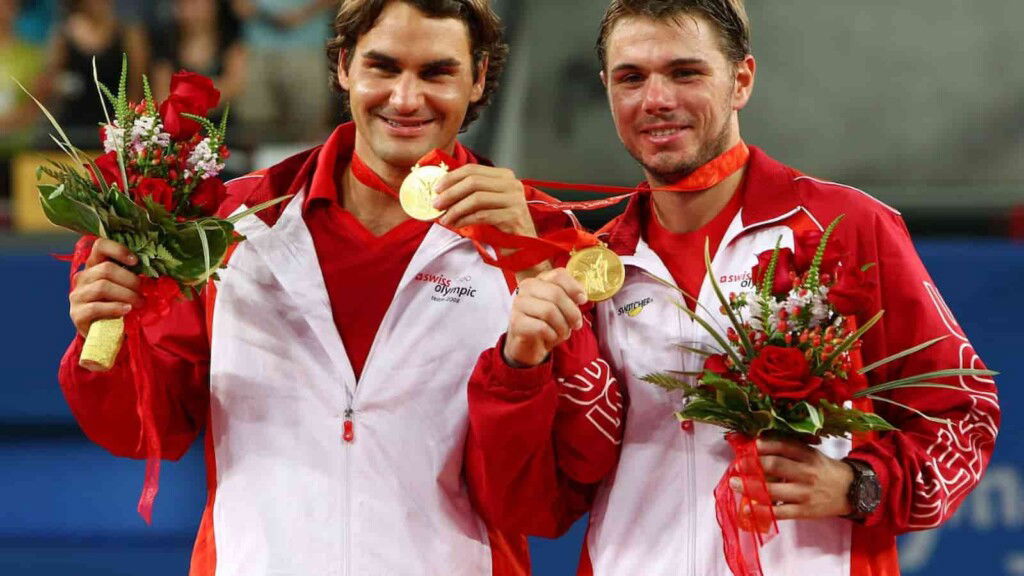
520 382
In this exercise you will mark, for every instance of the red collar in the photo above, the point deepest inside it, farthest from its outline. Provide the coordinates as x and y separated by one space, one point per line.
768 192
339 147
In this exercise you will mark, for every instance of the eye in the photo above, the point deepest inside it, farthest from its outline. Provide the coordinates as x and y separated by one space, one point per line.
445 72
684 73
383 68
630 78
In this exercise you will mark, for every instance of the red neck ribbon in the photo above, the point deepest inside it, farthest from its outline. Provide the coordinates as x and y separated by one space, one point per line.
367 177
747 521
707 176
529 251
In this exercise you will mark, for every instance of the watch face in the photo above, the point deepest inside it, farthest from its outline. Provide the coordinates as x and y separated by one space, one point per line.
869 494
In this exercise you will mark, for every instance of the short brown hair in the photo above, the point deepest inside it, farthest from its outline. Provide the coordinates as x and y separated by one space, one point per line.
487 38
729 16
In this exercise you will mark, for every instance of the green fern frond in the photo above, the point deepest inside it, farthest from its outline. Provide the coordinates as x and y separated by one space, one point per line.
148 93
813 280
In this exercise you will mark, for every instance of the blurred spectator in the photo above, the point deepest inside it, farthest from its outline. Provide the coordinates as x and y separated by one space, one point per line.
90 29
25 62
287 93
36 19
204 38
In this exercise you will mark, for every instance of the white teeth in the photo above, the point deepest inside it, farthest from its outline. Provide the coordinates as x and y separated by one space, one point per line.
399 125
663 133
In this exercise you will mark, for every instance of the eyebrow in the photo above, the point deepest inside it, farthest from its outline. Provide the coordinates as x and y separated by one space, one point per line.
392 61
673 64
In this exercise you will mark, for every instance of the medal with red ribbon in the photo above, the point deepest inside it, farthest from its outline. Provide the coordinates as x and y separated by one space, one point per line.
593 264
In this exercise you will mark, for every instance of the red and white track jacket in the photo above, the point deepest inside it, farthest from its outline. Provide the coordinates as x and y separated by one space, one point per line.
266 372
654 515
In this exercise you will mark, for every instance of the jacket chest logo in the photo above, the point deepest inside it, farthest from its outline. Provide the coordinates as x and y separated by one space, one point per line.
633 309
446 289
744 279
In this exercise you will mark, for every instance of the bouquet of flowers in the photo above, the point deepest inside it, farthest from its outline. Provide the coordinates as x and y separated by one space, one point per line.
155 190
788 365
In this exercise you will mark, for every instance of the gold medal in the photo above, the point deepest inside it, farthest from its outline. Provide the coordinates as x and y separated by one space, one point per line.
417 192
599 270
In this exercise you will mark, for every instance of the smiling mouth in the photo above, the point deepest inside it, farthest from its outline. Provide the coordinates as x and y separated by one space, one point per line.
406 124
663 132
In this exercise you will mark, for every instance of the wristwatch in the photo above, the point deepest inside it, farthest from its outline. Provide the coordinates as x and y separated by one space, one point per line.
865 491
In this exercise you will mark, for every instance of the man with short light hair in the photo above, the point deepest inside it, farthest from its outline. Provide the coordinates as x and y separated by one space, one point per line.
677 74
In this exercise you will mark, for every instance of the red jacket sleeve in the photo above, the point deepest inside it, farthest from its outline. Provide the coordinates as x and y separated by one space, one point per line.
104 403
541 438
928 467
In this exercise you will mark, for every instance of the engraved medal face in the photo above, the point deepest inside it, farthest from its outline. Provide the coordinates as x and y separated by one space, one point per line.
417 192
599 270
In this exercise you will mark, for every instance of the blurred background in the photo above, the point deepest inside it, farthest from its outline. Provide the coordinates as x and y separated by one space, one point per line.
919 102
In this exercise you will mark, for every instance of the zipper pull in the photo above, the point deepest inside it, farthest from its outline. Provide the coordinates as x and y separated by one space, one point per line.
349 434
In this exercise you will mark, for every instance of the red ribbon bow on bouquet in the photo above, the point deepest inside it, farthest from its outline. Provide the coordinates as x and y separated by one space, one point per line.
747 521
158 294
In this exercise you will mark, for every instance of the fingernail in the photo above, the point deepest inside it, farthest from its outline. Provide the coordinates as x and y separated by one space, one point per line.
126 308
579 324
581 298
133 259
436 203
735 484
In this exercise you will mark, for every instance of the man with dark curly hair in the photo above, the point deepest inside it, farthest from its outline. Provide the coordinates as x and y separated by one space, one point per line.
330 365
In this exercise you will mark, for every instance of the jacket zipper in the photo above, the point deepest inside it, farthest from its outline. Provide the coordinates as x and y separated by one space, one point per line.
687 331
348 432
348 437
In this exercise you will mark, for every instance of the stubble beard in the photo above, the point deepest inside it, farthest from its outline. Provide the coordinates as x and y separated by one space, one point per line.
708 151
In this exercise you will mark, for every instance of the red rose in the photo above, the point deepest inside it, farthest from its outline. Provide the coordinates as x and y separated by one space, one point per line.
783 270
208 196
783 373
716 364
178 126
191 93
806 247
158 189
195 89
109 169
851 295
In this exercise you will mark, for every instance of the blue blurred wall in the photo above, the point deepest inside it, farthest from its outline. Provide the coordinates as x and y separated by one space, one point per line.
67 507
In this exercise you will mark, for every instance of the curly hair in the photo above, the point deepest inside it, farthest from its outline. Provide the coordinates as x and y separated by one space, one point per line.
487 38
729 16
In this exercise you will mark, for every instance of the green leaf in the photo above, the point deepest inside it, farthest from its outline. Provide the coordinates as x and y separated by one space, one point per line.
748 347
728 393
813 280
234 219
53 122
902 354
714 334
667 382
921 380
71 214
810 422
698 351
769 278
201 247
848 343
942 421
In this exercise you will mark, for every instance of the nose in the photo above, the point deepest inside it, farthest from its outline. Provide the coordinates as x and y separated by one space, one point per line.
658 95
406 96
